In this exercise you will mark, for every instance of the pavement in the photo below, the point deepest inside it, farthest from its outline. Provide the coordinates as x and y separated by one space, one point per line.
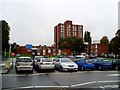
6 65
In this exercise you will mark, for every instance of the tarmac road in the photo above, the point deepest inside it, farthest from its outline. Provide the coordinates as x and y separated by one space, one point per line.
47 79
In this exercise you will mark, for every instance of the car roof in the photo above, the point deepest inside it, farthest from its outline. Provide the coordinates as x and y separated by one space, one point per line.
38 56
81 56
24 57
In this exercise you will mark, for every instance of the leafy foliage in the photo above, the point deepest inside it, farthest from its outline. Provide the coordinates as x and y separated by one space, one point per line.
72 43
5 35
115 44
87 37
104 40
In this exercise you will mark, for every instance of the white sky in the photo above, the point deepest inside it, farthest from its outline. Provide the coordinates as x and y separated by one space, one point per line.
33 21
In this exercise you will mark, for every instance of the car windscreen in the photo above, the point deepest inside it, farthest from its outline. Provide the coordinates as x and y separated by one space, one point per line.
37 58
107 61
46 60
89 60
24 60
80 59
66 60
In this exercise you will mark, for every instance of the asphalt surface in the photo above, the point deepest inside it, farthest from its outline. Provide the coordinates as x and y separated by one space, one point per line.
48 79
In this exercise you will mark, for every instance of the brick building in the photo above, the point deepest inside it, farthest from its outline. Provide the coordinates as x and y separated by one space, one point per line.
67 29
38 50
98 49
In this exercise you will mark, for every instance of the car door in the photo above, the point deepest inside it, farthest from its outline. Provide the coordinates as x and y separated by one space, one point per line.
79 62
57 64
37 63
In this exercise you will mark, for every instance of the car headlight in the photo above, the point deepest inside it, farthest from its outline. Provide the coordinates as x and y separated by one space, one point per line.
76 65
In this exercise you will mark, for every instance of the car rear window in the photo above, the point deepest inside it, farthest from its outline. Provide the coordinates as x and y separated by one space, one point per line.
24 60
108 61
89 61
46 60
66 60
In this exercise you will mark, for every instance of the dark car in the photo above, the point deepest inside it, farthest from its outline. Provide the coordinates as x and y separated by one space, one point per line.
116 64
85 64
101 64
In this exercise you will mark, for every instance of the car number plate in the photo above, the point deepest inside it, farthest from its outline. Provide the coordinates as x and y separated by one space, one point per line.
25 65
47 63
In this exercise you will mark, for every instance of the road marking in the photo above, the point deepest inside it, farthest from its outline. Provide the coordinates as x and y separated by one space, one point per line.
113 75
83 84
36 74
103 71
109 86
14 74
27 87
51 86
109 81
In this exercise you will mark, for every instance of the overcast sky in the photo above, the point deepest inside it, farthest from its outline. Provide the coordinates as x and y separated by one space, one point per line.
33 21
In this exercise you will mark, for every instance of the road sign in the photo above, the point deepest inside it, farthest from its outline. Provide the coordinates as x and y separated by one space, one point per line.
28 46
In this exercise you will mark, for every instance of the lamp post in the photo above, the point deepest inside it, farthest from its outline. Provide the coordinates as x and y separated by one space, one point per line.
9 49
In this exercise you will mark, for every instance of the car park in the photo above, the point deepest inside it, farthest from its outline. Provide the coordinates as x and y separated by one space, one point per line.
116 64
85 64
65 64
24 64
45 64
101 64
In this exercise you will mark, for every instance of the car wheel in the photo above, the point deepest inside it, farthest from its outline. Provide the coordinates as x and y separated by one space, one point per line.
116 68
53 70
31 71
82 68
61 69
100 68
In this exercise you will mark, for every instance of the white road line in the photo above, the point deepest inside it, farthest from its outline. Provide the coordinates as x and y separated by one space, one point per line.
109 81
51 86
103 71
36 74
14 75
26 87
113 75
83 84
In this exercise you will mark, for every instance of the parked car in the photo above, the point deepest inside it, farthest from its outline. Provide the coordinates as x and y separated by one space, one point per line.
116 64
23 64
36 58
101 64
85 64
65 64
79 56
45 64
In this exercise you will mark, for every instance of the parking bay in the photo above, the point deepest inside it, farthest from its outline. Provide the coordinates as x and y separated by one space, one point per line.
80 79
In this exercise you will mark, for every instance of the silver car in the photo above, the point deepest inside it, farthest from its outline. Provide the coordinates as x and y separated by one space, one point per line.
45 63
24 63
65 64
36 59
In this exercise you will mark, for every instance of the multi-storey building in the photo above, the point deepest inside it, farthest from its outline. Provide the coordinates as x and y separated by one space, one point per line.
67 30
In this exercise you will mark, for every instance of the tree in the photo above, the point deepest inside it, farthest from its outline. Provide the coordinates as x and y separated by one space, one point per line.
104 40
87 37
72 43
115 44
5 35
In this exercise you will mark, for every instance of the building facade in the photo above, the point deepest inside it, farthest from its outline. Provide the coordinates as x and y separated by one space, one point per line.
37 50
67 29
98 49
